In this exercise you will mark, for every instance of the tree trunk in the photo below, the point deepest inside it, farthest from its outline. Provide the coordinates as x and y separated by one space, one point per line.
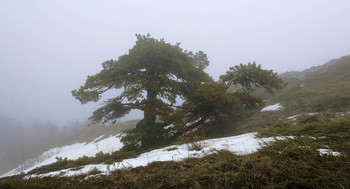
149 116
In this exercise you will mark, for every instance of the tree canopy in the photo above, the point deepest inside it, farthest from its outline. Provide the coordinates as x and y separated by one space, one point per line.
214 106
252 75
152 75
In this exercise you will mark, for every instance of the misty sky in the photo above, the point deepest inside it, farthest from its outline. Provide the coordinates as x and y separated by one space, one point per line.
47 48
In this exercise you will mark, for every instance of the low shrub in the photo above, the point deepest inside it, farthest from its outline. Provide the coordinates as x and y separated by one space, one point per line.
64 163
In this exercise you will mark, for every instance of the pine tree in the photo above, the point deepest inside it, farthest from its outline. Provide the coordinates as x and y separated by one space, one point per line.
215 108
152 75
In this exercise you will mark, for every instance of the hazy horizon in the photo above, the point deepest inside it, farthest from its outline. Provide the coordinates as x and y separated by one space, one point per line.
48 48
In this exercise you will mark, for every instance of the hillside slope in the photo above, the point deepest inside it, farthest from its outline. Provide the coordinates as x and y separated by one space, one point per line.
88 142
321 88
324 88
316 155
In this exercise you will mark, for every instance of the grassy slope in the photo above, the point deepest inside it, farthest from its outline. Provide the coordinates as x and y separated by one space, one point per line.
293 163
324 88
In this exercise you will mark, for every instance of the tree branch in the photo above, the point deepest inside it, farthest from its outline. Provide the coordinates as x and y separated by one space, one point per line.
231 81
188 128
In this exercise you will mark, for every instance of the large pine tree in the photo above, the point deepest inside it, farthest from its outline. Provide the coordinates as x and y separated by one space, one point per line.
152 75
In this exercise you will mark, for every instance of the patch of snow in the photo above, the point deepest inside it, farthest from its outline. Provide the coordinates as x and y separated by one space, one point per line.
74 151
311 113
192 122
274 107
240 145
294 117
328 152
169 126
317 138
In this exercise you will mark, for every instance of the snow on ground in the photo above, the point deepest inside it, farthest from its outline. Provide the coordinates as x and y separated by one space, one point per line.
294 117
73 152
274 107
240 145
328 152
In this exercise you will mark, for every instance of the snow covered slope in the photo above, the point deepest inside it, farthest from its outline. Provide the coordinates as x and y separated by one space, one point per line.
74 151
241 144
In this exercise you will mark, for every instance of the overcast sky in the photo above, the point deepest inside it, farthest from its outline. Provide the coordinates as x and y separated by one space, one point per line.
47 48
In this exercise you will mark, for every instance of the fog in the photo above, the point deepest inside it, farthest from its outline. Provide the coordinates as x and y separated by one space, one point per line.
21 141
47 48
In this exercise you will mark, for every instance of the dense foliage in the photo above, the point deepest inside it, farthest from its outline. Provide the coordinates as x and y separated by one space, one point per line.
151 75
251 75
216 109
